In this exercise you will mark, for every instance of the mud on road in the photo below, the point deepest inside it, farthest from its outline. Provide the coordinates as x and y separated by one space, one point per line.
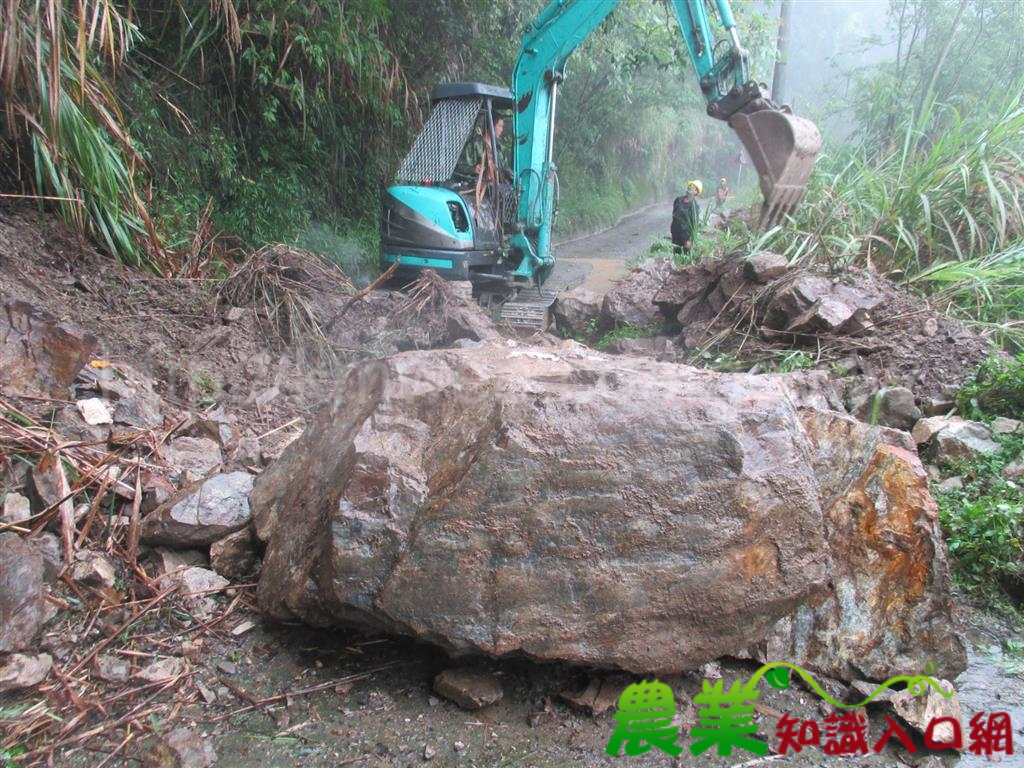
599 260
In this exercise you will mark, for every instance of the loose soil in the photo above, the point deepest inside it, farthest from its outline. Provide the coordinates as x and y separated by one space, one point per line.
374 705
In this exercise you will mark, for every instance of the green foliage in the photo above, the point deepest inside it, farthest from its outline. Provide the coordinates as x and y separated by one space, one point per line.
997 389
982 521
943 209
10 757
64 137
788 362
624 331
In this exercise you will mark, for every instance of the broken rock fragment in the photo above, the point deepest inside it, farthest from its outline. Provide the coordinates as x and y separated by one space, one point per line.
469 688
202 515
234 556
193 457
23 671
40 356
609 511
22 593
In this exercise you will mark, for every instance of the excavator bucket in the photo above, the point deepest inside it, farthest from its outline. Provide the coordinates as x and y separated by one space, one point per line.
783 148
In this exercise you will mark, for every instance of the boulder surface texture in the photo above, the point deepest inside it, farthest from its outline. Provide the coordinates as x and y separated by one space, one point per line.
615 512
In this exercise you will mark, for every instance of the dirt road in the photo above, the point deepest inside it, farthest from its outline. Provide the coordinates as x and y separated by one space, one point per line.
599 260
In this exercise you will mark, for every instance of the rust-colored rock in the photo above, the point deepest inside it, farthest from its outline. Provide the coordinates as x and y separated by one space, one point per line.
889 596
607 511
39 355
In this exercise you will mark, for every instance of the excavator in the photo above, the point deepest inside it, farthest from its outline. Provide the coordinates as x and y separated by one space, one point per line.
462 207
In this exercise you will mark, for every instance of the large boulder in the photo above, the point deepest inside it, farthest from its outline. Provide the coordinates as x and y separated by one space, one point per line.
608 511
39 354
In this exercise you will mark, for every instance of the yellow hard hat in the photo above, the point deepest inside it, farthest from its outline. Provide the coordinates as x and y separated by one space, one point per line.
695 183
722 180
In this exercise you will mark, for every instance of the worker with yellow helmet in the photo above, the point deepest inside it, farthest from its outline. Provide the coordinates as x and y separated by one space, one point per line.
721 194
685 215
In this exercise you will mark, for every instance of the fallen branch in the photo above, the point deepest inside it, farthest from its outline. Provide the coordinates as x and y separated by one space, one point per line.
386 275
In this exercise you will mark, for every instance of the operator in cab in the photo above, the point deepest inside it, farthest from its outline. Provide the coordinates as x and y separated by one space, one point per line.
685 215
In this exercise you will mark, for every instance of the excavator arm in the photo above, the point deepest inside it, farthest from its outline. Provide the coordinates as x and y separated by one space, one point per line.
782 147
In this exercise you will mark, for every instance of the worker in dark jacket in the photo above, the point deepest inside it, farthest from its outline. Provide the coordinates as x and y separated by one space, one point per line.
685 215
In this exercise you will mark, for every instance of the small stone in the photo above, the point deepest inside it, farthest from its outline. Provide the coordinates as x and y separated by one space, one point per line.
266 396
208 696
48 545
459 746
111 668
962 441
95 411
234 556
199 582
1004 426
141 410
929 427
162 670
201 516
234 314
429 752
181 748
889 407
919 711
433 701
193 457
16 508
949 485
227 667
242 628
93 570
1014 471
23 671
469 688
176 560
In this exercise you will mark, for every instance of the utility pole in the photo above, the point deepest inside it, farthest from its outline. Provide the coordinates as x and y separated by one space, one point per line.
782 52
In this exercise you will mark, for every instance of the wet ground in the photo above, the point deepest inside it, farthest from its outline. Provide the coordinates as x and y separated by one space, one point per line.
599 260
390 716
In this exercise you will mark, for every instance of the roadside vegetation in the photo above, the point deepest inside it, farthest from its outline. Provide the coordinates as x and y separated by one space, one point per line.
181 137
983 518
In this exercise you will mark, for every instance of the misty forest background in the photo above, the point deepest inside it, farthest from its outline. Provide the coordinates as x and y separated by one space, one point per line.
179 136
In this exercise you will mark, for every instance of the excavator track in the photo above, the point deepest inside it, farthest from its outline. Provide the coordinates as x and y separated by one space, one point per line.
529 309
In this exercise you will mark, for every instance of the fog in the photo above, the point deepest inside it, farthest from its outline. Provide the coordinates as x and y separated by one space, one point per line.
829 40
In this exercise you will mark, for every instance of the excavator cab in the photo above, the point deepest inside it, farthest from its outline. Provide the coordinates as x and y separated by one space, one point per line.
453 197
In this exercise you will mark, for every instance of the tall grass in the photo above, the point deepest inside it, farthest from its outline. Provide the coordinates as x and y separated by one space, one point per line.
941 208
63 130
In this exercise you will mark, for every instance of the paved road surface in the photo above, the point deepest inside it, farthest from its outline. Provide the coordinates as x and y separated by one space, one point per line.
598 261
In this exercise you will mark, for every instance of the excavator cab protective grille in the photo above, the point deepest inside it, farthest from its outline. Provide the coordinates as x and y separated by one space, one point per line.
438 147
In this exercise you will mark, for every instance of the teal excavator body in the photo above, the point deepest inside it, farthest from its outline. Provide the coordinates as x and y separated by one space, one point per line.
475 205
